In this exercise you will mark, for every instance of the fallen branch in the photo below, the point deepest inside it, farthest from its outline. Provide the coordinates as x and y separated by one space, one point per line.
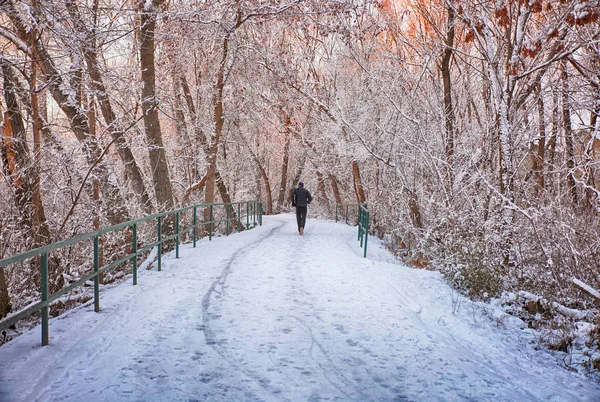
587 289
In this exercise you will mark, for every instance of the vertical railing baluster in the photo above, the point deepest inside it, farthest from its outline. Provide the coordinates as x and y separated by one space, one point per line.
44 283
247 216
177 235
159 241
260 216
210 224
195 223
227 221
367 217
239 218
97 274
135 253
358 223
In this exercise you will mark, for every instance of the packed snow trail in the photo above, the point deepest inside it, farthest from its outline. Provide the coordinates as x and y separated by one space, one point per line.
268 315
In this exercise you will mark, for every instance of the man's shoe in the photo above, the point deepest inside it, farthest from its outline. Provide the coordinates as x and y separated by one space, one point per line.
301 231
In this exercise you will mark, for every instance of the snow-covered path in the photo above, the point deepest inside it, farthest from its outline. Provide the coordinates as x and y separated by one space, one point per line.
269 315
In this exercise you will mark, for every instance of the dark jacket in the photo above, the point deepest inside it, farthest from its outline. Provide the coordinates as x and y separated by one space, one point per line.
301 197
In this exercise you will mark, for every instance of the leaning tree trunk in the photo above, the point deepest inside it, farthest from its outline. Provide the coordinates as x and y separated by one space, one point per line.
77 117
157 155
358 188
201 138
90 50
335 189
265 177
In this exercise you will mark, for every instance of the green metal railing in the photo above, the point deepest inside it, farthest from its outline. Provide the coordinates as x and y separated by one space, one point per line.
362 221
343 210
252 214
363 226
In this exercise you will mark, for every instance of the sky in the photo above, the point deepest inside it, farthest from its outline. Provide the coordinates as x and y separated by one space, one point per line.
269 315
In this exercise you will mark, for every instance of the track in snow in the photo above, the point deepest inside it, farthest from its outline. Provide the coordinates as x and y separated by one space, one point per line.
269 315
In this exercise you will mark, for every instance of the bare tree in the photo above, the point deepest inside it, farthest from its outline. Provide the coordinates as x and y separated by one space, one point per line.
158 159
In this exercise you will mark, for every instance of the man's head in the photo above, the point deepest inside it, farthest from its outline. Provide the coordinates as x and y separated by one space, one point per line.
300 185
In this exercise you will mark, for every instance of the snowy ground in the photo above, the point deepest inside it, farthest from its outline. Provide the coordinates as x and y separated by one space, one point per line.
270 315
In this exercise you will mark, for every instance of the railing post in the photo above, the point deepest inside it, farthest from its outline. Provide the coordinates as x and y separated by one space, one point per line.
195 222
44 283
359 229
239 218
260 212
97 272
135 253
159 241
336 213
227 220
346 214
210 223
177 235
367 217
247 215
254 214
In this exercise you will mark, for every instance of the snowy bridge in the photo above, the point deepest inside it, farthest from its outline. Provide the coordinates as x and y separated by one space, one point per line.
268 315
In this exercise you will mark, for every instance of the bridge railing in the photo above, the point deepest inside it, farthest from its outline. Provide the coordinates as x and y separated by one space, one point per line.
247 214
362 220
347 212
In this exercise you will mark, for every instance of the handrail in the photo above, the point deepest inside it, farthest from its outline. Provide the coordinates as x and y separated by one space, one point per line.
253 215
362 222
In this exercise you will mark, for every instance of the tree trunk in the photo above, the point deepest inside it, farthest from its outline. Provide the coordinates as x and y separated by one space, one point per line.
23 173
541 148
265 177
554 132
299 172
186 148
321 188
448 105
219 120
113 202
19 168
591 170
568 130
335 189
157 155
284 167
5 305
133 172
201 138
358 189
415 211
41 231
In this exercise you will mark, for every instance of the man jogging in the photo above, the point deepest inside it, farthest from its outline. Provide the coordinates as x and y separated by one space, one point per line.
300 199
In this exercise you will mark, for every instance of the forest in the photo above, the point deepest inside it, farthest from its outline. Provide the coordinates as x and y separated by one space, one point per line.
469 128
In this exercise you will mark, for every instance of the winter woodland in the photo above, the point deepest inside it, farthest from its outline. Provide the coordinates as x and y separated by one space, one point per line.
469 128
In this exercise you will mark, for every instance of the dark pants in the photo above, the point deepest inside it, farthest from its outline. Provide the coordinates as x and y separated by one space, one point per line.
301 216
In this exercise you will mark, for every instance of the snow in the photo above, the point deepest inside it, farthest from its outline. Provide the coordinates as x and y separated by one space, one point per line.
270 315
